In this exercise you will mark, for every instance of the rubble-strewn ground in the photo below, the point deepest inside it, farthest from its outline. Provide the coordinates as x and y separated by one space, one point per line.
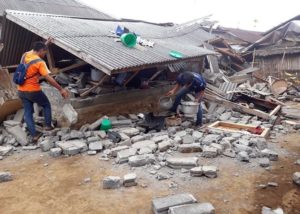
43 184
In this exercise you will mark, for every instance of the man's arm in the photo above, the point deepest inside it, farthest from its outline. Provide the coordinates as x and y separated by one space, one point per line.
52 82
174 90
199 96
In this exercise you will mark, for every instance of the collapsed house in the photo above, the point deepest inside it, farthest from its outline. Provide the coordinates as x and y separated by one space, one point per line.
277 52
82 46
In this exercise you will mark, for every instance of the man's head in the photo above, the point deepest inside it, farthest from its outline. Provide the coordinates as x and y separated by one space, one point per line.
40 48
186 77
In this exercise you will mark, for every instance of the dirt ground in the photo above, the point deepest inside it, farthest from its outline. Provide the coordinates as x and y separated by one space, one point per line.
46 185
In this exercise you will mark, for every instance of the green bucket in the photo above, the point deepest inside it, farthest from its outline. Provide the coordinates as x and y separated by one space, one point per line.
128 39
105 125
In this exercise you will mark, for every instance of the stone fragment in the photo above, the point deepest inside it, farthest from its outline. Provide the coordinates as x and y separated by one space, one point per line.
197 135
264 162
90 152
259 143
19 134
162 205
243 156
219 147
70 113
93 139
267 210
211 138
201 208
241 148
5 177
55 152
130 131
209 152
196 171
130 180
6 150
141 160
145 150
296 178
297 162
272 184
180 134
19 116
111 182
114 151
229 153
162 176
101 134
177 139
29 147
146 143
160 138
225 116
189 148
182 162
11 123
165 145
139 138
273 156
46 145
188 139
96 146
123 156
210 171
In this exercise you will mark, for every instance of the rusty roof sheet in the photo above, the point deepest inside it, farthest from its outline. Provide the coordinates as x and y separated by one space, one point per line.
92 41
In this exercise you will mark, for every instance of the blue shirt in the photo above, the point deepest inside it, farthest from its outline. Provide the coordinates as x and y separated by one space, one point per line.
198 84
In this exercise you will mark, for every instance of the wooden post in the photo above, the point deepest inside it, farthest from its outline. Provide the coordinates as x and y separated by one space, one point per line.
131 77
94 87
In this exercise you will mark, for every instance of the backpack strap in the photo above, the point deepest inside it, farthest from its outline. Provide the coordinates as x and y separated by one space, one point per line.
31 63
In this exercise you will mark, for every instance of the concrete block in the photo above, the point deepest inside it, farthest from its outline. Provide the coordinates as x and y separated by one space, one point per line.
243 156
189 148
121 123
209 152
19 134
11 123
196 171
141 160
5 177
96 146
123 156
145 150
264 162
19 116
219 147
273 156
241 148
188 139
162 205
107 144
157 139
114 151
46 145
210 171
130 131
100 133
203 208
111 182
93 139
72 147
182 162
129 180
162 176
55 152
139 138
211 138
225 116
197 135
69 113
180 134
165 145
28 148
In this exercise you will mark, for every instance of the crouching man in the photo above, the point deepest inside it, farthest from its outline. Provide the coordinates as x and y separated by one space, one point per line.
188 82
30 91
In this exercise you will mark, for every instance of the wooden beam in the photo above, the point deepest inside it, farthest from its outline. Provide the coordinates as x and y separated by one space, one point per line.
70 67
94 87
155 75
275 110
131 77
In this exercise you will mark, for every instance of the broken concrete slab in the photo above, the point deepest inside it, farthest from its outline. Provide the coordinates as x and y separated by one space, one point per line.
141 160
182 162
70 113
188 139
114 151
165 145
146 143
121 123
6 150
19 134
211 138
93 139
130 131
123 156
72 147
138 138
11 123
189 148
5 177
46 145
273 156
202 208
129 180
180 134
197 135
145 150
296 178
19 116
162 205
160 138
111 182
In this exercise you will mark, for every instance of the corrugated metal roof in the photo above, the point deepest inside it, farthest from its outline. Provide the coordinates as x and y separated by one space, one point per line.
62 7
91 40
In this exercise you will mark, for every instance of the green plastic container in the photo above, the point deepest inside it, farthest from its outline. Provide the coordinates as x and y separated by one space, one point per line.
105 125
176 54
128 39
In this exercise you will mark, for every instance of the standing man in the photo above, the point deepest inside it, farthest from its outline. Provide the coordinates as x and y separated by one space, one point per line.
30 92
188 82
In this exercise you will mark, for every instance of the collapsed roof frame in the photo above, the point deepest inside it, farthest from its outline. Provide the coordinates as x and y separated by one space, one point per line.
157 58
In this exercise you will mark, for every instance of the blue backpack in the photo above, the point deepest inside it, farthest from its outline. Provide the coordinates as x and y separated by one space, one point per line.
20 73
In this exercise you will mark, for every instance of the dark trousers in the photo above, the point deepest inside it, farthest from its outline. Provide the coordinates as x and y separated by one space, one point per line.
184 91
28 99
